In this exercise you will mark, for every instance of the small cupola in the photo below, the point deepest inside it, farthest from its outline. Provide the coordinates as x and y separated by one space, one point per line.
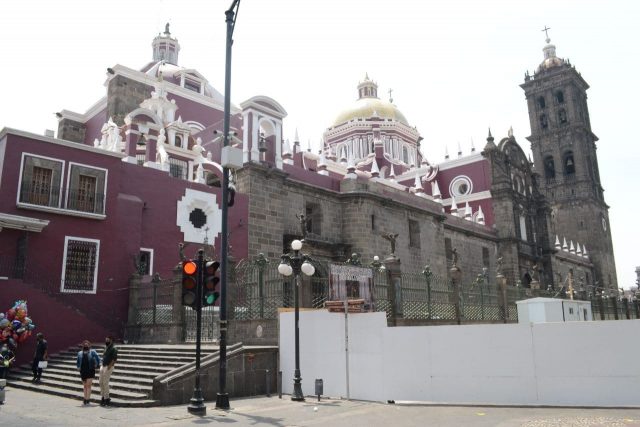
368 88
165 47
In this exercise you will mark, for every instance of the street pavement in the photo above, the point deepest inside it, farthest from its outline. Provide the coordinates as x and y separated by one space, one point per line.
26 408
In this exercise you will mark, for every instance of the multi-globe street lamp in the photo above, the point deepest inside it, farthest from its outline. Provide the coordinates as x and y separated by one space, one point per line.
295 263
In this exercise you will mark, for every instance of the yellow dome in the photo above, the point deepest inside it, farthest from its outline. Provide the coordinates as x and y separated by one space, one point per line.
365 108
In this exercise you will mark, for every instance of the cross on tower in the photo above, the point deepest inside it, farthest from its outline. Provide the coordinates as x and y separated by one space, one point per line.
390 98
546 32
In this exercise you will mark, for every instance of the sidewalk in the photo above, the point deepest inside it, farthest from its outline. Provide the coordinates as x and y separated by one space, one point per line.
25 408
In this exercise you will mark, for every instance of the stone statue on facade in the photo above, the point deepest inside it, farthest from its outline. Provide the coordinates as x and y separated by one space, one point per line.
161 157
392 240
302 218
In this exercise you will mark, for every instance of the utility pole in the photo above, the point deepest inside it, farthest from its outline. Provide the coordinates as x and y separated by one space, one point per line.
222 399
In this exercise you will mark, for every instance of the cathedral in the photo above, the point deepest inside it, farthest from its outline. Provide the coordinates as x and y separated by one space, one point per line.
122 184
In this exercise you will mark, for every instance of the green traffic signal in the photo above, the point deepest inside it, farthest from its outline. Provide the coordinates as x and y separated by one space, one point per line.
210 293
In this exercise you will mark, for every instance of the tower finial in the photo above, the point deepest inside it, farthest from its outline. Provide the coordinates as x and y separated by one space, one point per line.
546 32
390 98
166 29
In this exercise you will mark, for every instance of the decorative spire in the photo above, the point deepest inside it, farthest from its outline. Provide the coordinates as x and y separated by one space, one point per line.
468 212
392 173
578 249
435 190
459 149
564 244
584 252
557 245
473 146
322 164
572 249
375 170
286 148
296 142
480 217
490 145
351 168
417 185
550 58
510 132
446 152
454 207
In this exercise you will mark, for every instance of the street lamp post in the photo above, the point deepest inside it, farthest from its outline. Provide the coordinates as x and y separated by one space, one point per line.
294 264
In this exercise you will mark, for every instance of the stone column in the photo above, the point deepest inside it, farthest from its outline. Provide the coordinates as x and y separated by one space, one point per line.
394 286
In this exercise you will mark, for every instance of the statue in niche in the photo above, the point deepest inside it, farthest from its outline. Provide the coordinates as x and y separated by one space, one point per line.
499 266
392 240
161 153
302 218
454 258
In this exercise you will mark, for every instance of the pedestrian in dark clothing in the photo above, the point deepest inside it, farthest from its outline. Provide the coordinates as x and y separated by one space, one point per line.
88 361
40 355
6 359
109 358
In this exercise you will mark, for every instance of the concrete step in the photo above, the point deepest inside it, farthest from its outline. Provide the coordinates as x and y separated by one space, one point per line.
114 384
122 366
95 397
77 387
65 361
136 377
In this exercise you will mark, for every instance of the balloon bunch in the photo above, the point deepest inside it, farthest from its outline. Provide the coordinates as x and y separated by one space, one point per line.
15 325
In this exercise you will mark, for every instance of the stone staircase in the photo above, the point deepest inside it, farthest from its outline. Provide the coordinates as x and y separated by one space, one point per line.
131 381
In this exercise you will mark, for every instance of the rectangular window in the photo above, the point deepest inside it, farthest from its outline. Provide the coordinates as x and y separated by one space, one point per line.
87 185
448 250
40 182
414 233
140 159
523 228
145 262
373 222
80 265
313 214
485 257
191 85
178 168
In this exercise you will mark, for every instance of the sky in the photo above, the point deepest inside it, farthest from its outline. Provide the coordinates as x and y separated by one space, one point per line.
454 67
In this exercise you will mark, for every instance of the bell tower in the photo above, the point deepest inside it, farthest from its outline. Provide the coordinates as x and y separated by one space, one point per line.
564 151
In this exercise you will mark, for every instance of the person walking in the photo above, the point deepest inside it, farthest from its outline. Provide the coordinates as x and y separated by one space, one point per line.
109 358
88 361
40 355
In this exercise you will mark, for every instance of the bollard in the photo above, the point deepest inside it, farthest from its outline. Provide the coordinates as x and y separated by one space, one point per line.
319 388
279 384
268 381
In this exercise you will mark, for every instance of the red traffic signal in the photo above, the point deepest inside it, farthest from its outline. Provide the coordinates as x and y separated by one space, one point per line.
189 283
210 292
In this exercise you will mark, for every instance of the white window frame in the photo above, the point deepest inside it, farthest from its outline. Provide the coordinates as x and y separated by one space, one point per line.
18 202
106 180
64 265
150 259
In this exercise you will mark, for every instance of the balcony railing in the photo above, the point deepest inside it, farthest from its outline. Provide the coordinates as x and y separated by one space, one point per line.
77 200
41 195
85 202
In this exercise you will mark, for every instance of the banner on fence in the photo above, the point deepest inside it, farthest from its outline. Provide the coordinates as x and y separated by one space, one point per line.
351 282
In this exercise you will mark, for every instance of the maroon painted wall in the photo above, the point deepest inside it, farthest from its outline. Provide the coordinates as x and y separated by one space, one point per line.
61 325
141 208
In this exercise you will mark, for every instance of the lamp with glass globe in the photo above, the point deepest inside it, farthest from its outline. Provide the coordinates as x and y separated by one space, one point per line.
295 263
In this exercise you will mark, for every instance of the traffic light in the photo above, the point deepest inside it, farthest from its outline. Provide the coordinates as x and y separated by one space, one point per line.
190 283
209 292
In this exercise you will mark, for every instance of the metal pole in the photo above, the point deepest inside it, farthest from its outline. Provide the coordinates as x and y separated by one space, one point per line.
222 399
346 345
197 406
261 288
297 386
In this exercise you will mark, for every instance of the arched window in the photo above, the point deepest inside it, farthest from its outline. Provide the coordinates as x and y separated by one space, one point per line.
541 102
178 141
544 124
559 97
549 168
568 163
562 116
405 154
